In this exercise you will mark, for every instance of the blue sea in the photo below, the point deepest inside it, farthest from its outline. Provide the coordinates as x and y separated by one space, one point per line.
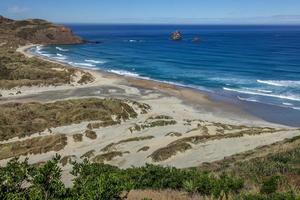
255 67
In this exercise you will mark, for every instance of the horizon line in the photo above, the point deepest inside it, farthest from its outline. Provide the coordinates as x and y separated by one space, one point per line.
188 24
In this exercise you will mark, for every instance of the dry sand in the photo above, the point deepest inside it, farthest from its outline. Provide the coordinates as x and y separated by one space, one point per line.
181 104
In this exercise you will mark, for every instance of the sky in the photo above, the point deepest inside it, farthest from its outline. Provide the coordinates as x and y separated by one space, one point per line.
156 11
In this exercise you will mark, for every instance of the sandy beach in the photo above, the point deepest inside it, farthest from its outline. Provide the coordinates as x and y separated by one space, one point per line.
195 116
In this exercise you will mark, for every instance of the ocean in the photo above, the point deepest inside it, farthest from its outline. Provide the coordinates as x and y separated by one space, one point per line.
254 67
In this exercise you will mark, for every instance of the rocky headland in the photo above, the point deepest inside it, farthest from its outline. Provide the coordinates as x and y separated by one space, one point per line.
36 31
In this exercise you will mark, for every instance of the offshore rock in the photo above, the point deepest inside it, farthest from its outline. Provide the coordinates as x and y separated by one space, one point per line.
176 36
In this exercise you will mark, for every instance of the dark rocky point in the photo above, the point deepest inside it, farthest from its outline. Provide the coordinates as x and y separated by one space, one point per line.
37 31
176 36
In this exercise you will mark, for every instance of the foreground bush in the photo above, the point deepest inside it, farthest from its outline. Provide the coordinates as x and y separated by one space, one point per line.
19 180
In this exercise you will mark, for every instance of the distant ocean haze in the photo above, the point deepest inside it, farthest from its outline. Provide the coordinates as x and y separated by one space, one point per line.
249 65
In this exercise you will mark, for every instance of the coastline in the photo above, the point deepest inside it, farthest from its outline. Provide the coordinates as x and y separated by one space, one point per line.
190 109
189 96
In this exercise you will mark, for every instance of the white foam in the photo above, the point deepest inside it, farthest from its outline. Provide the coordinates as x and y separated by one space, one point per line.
95 61
60 58
264 91
280 83
287 104
124 73
83 64
38 49
247 99
61 49
45 54
291 97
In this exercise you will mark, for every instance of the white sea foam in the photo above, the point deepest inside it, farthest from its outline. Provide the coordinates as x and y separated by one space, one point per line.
280 83
61 49
60 55
287 104
290 97
83 64
247 99
38 49
45 54
133 41
264 91
95 61
124 73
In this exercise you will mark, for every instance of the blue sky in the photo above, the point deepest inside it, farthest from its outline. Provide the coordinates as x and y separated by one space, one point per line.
156 11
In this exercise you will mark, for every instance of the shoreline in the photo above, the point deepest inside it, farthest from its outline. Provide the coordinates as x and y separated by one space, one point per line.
199 100
195 115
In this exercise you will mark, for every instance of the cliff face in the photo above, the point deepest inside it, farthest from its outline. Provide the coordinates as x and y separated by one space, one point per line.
37 31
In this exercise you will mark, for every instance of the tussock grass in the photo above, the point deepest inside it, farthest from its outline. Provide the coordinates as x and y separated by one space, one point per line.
110 146
184 144
77 137
152 124
107 156
35 145
21 119
16 71
145 148
88 154
91 134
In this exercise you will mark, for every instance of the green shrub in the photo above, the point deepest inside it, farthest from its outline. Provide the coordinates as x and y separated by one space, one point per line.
270 185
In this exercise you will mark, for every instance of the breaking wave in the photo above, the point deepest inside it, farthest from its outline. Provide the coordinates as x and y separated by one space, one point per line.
124 73
82 64
290 97
95 61
61 49
248 99
278 83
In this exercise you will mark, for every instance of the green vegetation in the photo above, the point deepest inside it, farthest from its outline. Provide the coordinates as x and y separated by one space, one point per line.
109 147
152 124
184 144
22 119
107 156
16 70
77 137
36 145
145 148
170 150
91 134
104 182
275 175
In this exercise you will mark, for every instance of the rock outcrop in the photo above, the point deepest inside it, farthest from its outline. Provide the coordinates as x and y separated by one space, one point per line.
176 36
38 31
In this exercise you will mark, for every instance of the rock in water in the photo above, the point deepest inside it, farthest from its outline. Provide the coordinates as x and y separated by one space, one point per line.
176 36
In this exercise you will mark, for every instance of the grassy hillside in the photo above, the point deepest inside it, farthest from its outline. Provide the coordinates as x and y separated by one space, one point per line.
16 70
267 175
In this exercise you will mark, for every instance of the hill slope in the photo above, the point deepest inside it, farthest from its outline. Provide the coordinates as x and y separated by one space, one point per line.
36 31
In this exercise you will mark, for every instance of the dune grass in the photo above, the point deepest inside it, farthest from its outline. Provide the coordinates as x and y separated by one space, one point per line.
22 119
